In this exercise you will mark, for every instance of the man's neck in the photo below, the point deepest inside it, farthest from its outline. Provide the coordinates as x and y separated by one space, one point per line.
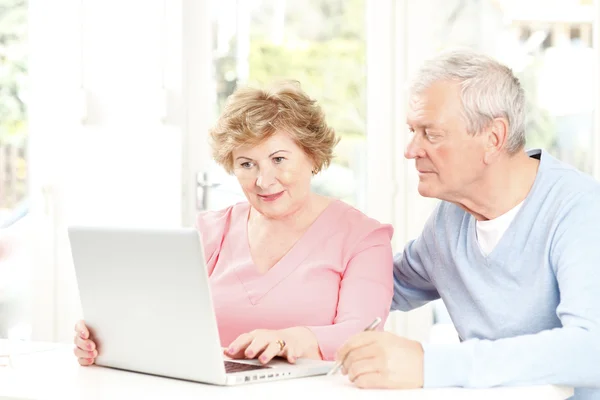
504 185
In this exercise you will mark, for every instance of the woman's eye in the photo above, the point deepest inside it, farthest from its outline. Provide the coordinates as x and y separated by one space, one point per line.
278 160
246 164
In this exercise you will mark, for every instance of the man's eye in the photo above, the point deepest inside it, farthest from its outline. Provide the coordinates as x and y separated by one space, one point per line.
278 160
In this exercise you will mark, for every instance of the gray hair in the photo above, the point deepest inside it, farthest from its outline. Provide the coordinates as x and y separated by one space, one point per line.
489 90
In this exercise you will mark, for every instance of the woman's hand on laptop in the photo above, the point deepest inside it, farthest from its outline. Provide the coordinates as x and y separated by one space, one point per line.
264 344
85 348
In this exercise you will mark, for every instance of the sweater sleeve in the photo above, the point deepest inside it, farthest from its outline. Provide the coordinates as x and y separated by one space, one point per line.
412 284
365 291
568 355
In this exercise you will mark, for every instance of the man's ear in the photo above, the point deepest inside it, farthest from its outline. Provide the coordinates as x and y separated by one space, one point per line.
496 138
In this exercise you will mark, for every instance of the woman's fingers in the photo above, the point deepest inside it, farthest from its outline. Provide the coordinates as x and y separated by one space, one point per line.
290 355
85 349
258 345
84 344
85 361
82 330
261 344
271 350
80 353
238 347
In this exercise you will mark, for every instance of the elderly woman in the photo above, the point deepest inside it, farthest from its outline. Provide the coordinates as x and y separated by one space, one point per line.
292 273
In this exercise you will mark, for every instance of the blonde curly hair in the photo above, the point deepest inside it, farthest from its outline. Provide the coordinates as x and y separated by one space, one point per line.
253 115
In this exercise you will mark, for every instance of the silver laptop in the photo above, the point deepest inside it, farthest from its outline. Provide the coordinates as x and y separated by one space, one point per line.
146 298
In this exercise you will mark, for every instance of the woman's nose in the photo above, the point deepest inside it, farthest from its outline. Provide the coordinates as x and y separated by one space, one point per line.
265 178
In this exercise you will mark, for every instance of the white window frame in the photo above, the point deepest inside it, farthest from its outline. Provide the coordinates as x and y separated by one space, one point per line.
391 185
196 85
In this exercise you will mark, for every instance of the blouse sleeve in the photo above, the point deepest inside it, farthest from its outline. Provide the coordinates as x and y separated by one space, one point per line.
212 226
365 292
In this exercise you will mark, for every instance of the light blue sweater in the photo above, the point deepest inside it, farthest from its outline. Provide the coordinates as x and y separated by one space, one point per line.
529 312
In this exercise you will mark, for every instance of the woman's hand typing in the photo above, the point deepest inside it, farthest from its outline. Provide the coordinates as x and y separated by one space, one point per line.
264 344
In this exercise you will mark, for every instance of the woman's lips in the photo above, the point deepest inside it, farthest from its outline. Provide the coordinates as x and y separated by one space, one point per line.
270 197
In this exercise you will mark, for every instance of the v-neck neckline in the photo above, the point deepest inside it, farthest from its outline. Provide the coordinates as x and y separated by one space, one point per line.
258 284
508 236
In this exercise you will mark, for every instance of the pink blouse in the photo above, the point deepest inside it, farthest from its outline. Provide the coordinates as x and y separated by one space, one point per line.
335 280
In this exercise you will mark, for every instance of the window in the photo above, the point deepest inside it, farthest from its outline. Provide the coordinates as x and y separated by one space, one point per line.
13 118
259 42
14 265
549 47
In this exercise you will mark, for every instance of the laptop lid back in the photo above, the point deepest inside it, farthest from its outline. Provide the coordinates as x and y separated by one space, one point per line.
146 298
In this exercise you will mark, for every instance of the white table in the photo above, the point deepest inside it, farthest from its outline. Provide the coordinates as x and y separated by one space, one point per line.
50 371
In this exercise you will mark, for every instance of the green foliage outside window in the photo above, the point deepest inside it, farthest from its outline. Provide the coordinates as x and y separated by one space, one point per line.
13 69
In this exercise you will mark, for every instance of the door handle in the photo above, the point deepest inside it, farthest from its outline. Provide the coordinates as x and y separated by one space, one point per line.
203 189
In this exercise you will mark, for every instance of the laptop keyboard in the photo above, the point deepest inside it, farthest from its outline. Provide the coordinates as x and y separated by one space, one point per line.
231 367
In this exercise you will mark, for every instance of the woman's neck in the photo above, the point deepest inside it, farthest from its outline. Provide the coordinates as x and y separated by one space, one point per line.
298 219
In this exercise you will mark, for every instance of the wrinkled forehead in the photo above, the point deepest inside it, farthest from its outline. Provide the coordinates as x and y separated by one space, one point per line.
418 107
440 101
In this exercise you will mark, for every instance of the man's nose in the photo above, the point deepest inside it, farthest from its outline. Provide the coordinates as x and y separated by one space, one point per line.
414 148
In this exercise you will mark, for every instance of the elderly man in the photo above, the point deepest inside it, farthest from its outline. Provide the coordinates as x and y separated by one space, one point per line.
512 248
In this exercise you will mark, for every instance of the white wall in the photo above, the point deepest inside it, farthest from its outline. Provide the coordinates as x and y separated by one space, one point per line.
53 67
109 119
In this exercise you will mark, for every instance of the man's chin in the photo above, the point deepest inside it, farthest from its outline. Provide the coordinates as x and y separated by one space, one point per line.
425 190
